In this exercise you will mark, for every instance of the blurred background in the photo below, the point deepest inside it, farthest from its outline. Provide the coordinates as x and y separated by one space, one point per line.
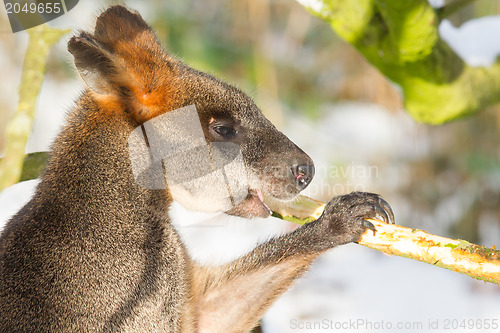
320 92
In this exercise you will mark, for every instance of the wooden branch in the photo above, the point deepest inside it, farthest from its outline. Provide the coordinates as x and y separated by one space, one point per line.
457 255
41 39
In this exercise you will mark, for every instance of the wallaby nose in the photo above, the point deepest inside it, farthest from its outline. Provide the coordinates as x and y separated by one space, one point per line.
303 173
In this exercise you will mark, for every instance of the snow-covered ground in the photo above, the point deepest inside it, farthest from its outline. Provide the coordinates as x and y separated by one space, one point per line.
350 288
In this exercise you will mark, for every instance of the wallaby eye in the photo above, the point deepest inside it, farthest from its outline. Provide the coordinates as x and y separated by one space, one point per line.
227 132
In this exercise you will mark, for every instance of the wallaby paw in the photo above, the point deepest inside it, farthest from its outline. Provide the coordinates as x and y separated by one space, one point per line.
344 218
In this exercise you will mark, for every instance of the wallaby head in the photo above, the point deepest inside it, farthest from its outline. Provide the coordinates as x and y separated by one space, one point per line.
127 71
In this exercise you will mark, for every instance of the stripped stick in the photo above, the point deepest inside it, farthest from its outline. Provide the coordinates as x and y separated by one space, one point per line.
457 255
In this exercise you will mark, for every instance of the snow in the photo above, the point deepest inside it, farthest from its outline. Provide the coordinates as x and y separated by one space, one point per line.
316 6
475 41
217 238
437 3
15 197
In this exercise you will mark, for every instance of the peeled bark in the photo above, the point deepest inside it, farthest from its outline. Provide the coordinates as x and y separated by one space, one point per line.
454 254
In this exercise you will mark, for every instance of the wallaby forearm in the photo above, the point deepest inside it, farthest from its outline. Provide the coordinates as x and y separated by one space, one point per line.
238 293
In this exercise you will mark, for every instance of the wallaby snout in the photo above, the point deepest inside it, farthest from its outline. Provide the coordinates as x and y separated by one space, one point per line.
282 169
303 174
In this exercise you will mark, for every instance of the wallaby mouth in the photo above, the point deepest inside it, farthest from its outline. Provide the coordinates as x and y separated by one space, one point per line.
252 206
255 203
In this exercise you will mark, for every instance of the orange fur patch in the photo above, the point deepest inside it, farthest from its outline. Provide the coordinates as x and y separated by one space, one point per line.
108 103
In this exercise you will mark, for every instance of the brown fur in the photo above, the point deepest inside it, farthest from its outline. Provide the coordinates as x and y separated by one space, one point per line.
94 252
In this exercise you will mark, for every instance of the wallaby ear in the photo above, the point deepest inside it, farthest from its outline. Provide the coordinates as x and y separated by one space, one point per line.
123 64
118 24
97 67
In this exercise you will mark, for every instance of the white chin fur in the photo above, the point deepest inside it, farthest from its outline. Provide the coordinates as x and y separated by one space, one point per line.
218 238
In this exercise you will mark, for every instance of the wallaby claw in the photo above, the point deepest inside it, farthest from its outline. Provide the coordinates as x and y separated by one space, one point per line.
388 214
369 225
